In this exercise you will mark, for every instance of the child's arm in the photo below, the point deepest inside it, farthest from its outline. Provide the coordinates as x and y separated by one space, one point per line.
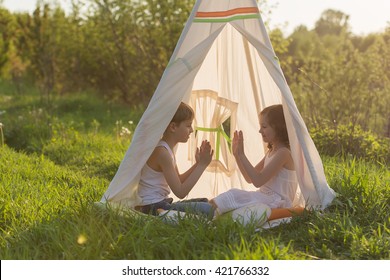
258 168
243 171
202 147
238 148
179 188
259 178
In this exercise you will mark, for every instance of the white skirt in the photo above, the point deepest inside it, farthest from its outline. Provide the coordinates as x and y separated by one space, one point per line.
237 198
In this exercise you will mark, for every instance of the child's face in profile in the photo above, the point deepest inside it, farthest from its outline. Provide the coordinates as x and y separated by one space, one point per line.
266 131
183 131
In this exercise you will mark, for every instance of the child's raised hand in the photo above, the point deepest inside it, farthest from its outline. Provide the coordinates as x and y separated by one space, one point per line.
197 152
204 154
202 146
238 143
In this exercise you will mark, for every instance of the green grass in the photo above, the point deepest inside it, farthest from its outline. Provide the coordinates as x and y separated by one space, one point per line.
51 176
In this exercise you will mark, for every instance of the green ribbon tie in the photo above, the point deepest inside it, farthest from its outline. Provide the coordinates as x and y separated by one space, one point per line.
219 131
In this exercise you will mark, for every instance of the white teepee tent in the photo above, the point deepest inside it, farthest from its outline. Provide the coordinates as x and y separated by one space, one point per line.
223 66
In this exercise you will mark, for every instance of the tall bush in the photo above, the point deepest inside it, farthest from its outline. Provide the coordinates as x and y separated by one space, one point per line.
350 140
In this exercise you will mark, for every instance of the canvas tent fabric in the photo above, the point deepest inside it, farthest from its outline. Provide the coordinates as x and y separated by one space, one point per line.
223 66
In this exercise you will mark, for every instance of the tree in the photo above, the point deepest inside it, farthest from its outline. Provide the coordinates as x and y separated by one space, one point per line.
128 45
337 78
41 38
332 22
6 31
12 65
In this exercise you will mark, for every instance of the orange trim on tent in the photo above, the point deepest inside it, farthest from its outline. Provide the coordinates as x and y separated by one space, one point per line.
228 12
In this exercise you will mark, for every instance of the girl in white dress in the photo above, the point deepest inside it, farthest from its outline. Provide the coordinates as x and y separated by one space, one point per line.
274 175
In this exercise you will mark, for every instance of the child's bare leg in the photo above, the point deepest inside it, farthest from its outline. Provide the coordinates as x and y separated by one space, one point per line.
278 213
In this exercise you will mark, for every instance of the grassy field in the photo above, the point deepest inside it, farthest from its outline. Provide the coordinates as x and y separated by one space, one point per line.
58 160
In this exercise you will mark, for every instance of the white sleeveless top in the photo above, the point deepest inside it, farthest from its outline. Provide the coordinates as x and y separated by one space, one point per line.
278 192
153 187
284 185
